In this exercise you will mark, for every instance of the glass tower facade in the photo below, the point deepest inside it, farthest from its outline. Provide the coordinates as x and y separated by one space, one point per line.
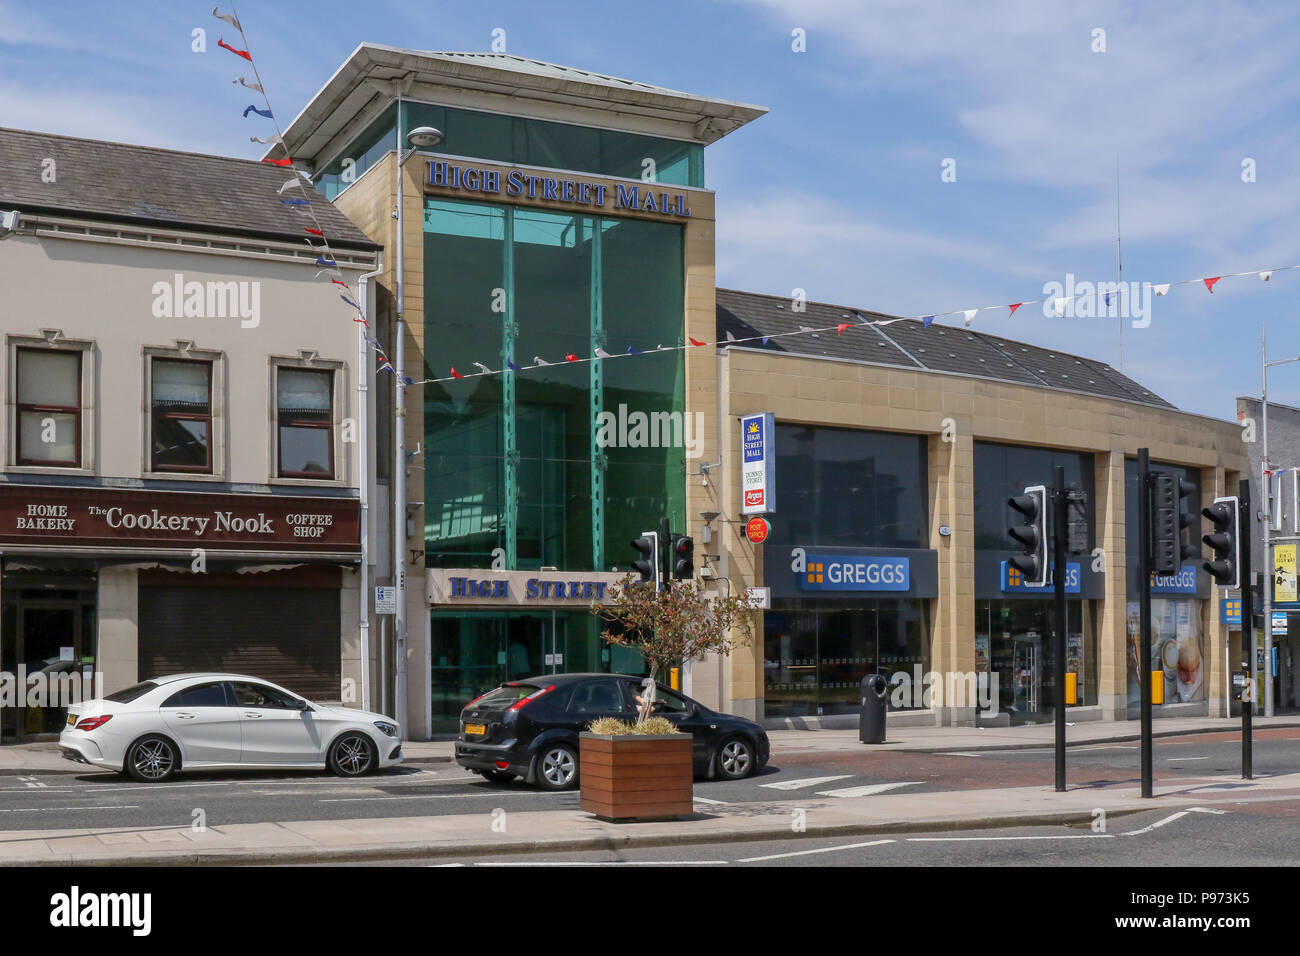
518 465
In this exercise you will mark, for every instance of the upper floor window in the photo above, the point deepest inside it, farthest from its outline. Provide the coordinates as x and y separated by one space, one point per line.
305 416
181 415
49 407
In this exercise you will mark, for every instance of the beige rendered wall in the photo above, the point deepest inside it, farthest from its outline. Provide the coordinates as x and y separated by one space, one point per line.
826 392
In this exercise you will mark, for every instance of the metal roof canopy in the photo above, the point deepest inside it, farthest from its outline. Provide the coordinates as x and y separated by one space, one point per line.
499 83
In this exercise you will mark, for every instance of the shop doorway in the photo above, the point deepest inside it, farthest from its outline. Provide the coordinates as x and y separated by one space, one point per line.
47 652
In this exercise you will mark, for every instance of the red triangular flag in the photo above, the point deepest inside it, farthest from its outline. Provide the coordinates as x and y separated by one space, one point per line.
342 283
314 232
570 357
1209 283
1014 306
287 161
455 374
839 329
244 53
693 342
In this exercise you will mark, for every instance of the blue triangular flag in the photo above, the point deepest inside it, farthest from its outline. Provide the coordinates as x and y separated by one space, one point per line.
765 338
632 351
512 366
926 320
254 109
322 261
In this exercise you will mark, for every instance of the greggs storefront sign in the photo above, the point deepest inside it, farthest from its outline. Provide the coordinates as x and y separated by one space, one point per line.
90 517
529 184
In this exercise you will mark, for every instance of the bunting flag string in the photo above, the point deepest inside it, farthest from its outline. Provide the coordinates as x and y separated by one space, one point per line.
1056 306
302 202
968 315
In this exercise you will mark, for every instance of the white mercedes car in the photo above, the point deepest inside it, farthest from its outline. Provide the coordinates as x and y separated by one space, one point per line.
223 721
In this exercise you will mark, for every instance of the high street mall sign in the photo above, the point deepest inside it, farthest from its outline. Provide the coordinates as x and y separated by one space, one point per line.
81 518
534 185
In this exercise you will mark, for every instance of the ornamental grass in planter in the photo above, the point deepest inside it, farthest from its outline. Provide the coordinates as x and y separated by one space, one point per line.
636 771
645 770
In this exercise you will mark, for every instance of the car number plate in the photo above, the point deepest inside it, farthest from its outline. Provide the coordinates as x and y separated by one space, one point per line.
477 729
71 719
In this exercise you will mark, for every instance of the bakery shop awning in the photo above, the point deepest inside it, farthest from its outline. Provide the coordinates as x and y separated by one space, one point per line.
129 522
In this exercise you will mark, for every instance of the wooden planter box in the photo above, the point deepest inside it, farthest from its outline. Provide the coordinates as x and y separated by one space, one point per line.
636 777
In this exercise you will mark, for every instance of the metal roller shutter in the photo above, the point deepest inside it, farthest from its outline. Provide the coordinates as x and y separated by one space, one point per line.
289 636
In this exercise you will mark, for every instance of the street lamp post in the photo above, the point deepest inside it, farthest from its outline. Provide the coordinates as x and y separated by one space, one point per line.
1269 568
420 138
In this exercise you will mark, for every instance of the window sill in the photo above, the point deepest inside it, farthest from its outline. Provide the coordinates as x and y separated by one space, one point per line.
180 476
309 482
49 470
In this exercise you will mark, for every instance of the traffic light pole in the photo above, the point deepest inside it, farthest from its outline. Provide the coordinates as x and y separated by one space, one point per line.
1144 604
1247 622
1059 525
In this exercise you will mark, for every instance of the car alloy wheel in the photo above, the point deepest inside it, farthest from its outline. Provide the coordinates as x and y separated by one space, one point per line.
152 760
735 759
351 756
558 769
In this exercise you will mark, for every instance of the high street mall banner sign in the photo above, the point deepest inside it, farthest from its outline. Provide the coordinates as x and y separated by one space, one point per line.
58 518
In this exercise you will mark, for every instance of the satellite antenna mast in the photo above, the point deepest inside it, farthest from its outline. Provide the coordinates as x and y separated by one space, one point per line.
1119 269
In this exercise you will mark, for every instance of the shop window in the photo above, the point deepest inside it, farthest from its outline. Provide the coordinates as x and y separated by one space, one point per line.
49 407
305 420
181 402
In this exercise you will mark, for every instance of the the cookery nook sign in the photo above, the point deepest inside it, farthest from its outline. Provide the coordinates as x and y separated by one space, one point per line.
76 517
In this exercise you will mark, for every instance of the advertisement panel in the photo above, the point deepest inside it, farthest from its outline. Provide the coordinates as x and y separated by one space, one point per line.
757 464
1284 579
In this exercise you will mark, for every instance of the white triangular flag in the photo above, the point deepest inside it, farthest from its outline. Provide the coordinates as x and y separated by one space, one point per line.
1266 275
730 337
289 185
538 360
485 369
969 315
1160 289
1058 305
228 18
248 86
601 353
269 141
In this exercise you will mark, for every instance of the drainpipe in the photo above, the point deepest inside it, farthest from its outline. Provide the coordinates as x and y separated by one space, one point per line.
363 472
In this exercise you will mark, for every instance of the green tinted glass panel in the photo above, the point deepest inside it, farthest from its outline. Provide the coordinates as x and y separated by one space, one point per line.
553 260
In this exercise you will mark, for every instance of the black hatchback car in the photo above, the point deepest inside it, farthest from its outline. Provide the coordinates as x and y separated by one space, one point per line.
529 728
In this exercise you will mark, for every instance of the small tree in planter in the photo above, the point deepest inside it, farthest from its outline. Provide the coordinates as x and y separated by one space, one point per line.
677 624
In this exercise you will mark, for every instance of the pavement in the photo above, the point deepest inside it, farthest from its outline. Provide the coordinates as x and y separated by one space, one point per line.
525 831
387 839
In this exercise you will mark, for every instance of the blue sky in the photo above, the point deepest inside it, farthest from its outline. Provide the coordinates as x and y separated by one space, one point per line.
838 190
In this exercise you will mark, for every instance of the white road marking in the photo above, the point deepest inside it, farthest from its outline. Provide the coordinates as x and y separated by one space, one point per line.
31 783
442 796
866 791
1171 818
959 754
1187 758
826 849
601 863
157 787
1069 836
55 809
722 803
804 782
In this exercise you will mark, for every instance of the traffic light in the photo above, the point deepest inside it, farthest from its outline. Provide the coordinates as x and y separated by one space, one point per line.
647 564
1076 521
1031 536
1225 566
683 558
1168 519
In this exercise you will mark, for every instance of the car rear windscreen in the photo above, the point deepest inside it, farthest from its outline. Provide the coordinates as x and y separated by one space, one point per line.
131 693
506 695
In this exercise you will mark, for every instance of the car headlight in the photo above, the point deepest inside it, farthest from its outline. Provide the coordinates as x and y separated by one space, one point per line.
387 729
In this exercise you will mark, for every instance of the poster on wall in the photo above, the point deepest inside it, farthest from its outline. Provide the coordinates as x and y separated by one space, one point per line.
1284 578
757 464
